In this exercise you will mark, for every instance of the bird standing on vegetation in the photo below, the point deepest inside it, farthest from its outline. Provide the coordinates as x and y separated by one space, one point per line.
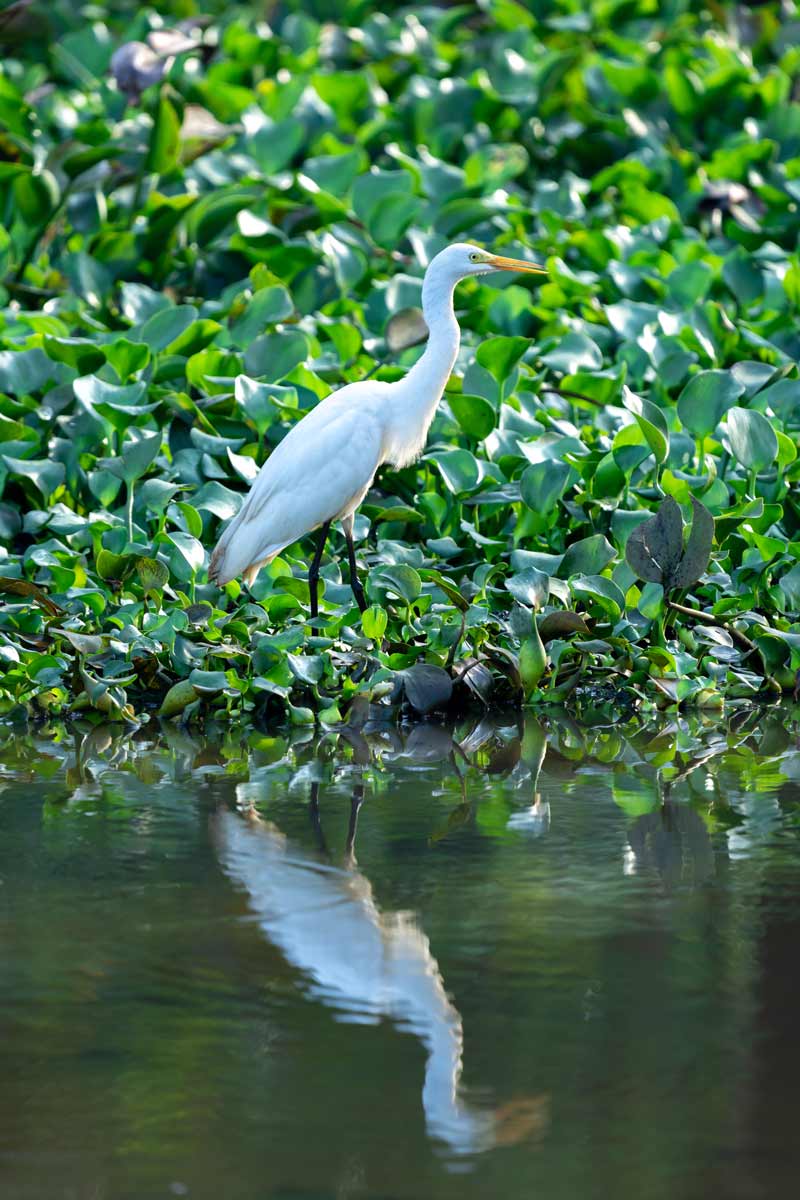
323 468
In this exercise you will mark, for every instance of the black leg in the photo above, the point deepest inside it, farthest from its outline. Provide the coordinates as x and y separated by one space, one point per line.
313 570
315 820
355 804
355 582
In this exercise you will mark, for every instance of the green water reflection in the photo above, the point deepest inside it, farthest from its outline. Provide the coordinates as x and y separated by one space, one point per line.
501 959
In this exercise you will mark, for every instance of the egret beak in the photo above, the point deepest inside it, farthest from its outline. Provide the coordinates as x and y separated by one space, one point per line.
498 263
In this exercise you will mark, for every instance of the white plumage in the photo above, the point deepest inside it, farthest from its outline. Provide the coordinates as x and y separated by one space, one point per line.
319 472
362 962
322 469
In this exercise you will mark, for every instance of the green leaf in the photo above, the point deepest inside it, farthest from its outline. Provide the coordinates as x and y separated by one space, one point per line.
194 338
752 439
560 624
25 371
263 402
94 392
308 668
84 643
599 592
573 353
127 358
36 195
267 306
743 277
458 468
532 661
530 587
194 522
189 548
45 474
474 414
542 484
137 457
652 423
404 580
586 557
166 325
79 353
274 355
790 586
276 143
164 146
500 355
389 220
179 697
706 398
213 214
689 283
209 683
651 601
373 622
450 590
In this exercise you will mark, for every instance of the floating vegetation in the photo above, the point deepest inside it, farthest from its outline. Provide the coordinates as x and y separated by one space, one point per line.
206 229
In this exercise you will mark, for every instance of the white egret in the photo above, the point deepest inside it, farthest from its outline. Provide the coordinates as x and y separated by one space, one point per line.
360 961
323 468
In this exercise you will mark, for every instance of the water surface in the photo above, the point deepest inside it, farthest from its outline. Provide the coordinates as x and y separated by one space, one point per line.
502 959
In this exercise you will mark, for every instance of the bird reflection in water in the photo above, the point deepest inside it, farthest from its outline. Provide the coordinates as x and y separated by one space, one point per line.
365 963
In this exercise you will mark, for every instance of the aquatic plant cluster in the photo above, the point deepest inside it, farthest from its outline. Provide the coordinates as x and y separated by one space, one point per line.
208 222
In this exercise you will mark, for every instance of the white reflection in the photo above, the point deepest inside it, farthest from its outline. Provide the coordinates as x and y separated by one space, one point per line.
534 820
365 963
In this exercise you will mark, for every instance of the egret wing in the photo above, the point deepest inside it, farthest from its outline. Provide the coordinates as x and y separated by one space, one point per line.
319 472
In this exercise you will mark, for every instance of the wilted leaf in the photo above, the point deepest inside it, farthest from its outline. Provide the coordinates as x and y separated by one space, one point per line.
655 547
426 687
153 574
83 643
405 329
24 587
698 548
561 623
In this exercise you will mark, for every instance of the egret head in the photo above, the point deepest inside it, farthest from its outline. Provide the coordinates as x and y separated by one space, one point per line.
463 259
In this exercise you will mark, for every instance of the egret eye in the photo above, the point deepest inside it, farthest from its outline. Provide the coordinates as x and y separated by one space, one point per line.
475 258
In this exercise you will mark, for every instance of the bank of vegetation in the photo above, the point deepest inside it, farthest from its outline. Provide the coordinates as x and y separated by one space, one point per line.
201 240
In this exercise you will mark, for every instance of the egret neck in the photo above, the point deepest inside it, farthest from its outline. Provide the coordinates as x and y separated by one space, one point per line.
417 396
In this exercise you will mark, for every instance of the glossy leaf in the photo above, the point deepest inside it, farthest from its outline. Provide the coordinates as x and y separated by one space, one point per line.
706 398
752 438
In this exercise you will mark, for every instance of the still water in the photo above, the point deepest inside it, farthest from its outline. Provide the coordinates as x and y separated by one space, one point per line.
494 960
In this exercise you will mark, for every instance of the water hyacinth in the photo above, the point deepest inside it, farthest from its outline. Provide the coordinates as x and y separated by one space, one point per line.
206 230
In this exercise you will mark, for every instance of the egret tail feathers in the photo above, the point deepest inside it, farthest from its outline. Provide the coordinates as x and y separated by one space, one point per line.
226 565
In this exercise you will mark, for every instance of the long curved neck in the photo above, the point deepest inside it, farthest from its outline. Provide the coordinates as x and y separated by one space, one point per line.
432 370
419 393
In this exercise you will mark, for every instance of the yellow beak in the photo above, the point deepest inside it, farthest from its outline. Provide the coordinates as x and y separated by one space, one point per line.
515 264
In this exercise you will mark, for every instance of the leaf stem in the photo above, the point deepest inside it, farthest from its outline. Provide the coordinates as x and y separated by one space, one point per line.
709 619
129 511
138 185
751 483
571 395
